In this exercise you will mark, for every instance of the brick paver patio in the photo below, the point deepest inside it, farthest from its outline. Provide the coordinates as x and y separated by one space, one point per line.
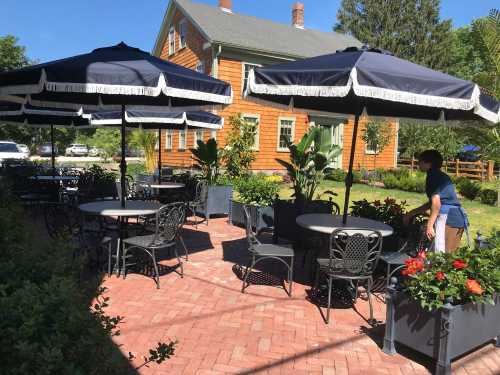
222 331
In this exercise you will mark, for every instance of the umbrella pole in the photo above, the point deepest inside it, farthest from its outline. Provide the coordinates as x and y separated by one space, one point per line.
349 178
159 156
123 163
52 151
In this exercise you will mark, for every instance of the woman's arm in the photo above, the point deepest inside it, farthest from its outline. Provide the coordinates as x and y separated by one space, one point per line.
435 207
416 211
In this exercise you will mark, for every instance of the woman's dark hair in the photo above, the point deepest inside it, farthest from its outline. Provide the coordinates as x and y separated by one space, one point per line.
432 156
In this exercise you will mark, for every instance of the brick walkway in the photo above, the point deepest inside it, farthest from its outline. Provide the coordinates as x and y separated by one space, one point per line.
222 331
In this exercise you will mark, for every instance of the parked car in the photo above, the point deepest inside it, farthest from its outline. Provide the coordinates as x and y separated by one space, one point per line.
77 150
24 149
94 151
45 149
9 150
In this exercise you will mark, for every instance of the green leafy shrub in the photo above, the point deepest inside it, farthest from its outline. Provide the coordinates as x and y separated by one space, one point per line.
135 169
405 181
336 175
489 196
389 211
467 275
256 190
46 323
469 189
391 181
208 158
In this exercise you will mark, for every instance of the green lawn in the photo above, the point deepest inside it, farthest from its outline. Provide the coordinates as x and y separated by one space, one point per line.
481 216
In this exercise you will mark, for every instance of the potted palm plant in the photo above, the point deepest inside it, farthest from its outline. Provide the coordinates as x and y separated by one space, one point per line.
308 161
208 159
447 305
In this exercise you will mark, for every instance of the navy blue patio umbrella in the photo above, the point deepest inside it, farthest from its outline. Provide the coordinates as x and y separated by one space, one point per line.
135 118
372 80
112 78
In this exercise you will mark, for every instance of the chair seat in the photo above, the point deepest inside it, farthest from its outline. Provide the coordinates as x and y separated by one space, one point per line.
273 250
337 270
146 242
394 258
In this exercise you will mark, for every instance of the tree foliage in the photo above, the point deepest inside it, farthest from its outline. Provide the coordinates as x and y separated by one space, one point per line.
238 154
377 136
208 158
410 29
146 140
12 55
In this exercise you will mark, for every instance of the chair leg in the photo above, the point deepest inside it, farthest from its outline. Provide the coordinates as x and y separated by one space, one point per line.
181 240
155 265
124 262
369 291
179 260
290 276
109 257
247 272
330 280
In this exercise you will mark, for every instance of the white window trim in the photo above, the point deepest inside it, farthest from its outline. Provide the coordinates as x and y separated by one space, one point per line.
243 72
182 147
280 119
198 65
195 137
169 133
171 35
183 24
213 134
257 134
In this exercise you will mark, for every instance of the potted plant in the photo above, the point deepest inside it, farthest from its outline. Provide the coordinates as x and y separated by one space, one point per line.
448 304
208 159
308 161
258 193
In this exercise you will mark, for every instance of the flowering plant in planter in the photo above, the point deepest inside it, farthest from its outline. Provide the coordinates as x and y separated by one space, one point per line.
467 275
389 211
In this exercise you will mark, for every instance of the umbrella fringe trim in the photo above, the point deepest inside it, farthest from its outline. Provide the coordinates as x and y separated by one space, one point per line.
487 114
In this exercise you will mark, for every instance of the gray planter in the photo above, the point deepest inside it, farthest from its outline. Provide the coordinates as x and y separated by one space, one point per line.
217 201
262 217
443 334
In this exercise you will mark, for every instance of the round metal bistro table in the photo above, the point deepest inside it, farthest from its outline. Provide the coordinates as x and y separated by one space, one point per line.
55 178
325 224
113 208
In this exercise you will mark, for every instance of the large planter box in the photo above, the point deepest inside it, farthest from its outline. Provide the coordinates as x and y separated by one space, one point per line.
262 217
285 213
443 334
218 199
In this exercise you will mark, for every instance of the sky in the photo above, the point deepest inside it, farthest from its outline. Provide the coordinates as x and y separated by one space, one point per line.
52 29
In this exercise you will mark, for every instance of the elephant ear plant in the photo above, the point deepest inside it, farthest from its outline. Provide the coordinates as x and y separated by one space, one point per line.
208 158
308 160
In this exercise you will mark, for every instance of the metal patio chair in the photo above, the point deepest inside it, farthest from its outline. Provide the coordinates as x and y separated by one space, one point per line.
169 220
353 257
260 252
199 200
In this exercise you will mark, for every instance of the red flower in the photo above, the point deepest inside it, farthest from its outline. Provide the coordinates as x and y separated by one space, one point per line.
474 287
459 264
440 276
422 254
413 265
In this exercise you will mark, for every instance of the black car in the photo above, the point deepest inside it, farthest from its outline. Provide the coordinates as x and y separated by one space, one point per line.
45 149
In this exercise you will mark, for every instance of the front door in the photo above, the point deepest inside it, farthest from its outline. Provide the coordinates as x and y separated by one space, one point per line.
332 133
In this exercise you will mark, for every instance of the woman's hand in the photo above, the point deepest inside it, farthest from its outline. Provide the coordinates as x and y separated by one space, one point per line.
429 232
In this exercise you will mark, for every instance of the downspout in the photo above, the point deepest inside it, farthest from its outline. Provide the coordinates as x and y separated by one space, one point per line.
216 51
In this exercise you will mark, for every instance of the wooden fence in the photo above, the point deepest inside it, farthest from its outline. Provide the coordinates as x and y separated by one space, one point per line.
483 170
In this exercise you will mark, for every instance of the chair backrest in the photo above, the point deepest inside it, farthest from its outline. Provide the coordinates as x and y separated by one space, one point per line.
251 236
355 251
201 192
169 221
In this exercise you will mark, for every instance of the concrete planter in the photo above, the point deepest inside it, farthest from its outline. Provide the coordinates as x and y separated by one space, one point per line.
262 217
442 334
218 199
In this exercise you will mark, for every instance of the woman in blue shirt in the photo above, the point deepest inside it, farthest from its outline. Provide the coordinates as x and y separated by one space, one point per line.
447 220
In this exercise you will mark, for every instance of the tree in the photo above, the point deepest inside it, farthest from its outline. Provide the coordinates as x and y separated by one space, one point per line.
147 140
12 55
238 154
108 140
410 29
376 135
208 158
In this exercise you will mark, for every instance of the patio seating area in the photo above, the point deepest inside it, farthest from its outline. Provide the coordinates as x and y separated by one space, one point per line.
263 331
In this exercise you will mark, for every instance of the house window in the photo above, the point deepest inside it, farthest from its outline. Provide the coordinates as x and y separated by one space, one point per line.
182 34
254 119
198 136
169 137
213 134
286 131
246 70
171 41
182 139
200 67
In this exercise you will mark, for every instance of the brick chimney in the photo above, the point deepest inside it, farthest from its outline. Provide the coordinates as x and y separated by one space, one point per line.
226 5
298 15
